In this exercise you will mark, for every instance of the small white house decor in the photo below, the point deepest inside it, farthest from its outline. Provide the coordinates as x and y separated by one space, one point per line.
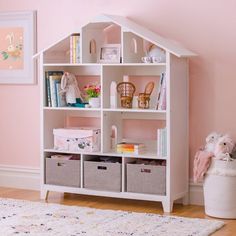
114 35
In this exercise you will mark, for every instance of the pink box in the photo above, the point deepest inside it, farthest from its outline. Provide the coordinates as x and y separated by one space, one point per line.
78 139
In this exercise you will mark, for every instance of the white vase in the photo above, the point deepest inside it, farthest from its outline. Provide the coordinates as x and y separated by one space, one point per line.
94 102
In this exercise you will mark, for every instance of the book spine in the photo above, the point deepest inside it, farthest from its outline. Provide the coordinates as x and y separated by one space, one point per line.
48 92
61 98
74 49
58 85
53 92
77 49
159 90
159 143
71 49
163 96
163 87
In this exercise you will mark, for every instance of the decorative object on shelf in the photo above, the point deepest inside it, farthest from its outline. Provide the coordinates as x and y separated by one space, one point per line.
144 98
77 139
17 46
93 95
156 54
146 59
126 91
79 103
70 87
113 95
130 148
75 48
161 94
95 102
110 53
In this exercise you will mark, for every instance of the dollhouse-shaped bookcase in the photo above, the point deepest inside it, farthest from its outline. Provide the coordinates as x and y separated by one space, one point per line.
138 125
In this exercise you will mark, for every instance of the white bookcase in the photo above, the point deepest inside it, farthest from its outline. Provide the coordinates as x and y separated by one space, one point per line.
175 117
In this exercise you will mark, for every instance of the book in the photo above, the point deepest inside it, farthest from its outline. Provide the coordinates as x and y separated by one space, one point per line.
48 93
75 48
162 101
159 90
162 142
61 97
51 78
131 148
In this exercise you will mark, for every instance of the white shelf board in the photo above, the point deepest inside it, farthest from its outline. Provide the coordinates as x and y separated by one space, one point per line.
126 195
69 152
71 64
134 110
145 155
72 109
104 64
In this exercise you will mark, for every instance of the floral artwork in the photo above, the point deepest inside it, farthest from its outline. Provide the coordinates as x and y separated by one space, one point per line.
11 48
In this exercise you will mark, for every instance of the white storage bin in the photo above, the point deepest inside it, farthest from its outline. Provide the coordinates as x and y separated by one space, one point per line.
80 139
220 189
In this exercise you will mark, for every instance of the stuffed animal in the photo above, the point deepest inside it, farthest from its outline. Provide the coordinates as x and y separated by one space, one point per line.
69 86
211 141
224 147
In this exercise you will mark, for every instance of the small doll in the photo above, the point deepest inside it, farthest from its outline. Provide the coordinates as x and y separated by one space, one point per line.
211 141
224 147
70 87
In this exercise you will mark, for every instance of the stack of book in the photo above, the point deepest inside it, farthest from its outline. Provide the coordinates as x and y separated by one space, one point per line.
162 142
130 148
161 94
75 48
53 89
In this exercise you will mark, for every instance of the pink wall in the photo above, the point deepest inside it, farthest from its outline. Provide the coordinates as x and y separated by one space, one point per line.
206 27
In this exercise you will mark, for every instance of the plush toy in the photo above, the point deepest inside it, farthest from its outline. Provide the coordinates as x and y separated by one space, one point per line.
224 147
211 141
69 86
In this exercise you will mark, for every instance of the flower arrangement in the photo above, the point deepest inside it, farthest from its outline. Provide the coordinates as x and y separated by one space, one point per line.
92 91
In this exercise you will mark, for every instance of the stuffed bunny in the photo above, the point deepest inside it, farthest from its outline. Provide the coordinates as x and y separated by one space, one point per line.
211 141
224 147
70 87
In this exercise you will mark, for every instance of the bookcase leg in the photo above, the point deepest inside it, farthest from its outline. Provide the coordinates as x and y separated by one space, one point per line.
185 200
167 206
44 194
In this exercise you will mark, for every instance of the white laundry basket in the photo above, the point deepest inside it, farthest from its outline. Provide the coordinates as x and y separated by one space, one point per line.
220 189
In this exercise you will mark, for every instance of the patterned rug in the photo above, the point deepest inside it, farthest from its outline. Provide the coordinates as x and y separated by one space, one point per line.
19 217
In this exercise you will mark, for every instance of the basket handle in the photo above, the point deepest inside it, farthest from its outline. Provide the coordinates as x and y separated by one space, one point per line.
144 170
101 167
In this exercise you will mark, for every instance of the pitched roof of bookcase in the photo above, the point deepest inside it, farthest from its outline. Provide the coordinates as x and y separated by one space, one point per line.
139 30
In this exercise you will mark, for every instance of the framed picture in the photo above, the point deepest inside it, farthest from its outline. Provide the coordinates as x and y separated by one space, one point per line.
17 46
110 53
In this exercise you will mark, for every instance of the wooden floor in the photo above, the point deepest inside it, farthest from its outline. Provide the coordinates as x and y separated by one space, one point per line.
108 203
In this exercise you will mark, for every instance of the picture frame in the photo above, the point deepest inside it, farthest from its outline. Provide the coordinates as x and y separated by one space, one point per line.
110 53
17 47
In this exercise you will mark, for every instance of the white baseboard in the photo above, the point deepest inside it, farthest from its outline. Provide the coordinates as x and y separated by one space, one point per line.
196 194
19 177
29 178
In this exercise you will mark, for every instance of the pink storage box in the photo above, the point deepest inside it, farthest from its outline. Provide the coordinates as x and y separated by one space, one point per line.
79 139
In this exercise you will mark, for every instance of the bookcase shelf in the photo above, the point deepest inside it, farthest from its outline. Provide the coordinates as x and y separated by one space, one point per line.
132 125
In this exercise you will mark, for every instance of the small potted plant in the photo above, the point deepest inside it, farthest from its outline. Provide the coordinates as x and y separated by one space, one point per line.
93 95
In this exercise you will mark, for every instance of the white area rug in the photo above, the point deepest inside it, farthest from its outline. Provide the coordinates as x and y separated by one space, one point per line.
19 217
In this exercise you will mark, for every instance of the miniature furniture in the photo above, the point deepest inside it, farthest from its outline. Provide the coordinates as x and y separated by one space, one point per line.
94 36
